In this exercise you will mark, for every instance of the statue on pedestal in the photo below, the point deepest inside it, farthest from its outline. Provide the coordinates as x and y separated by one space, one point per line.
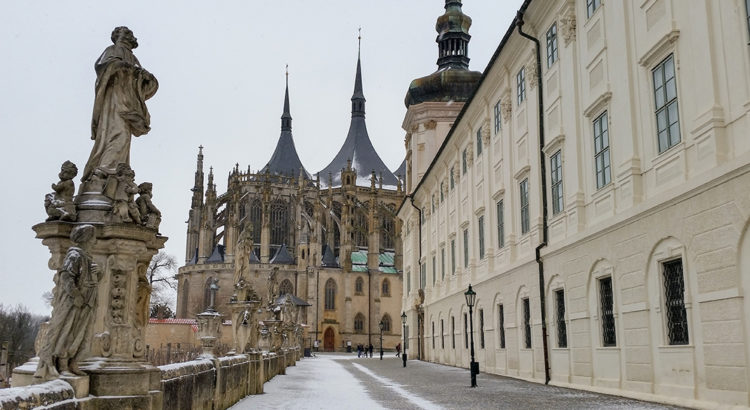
124 208
59 204
122 88
73 303
150 214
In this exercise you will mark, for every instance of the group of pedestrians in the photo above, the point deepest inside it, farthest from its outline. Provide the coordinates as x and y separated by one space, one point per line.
362 350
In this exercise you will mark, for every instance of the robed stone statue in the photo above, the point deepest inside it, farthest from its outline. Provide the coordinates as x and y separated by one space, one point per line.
122 88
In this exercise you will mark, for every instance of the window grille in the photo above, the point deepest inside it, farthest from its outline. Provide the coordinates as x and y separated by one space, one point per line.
526 323
453 332
674 298
521 85
601 151
608 314
481 328
286 287
557 183
552 45
524 188
665 101
501 325
500 224
562 331
481 237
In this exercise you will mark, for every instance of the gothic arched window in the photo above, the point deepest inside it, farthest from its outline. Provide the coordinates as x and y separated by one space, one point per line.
386 288
360 227
359 323
386 323
336 228
330 299
256 219
387 227
359 285
286 287
279 222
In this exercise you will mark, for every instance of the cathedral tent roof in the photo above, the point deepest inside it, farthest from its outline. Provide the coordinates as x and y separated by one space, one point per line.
357 147
297 301
217 256
282 256
401 170
254 257
329 259
285 160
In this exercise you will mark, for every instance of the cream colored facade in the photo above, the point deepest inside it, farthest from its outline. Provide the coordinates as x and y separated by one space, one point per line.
653 210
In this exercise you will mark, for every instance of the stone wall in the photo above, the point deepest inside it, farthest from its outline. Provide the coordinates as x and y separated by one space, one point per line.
199 384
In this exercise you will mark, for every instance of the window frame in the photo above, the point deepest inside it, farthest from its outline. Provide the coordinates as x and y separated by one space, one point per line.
607 312
602 158
665 108
480 227
464 162
442 263
479 142
592 6
481 328
500 210
552 52
359 285
466 330
498 115
453 256
524 210
674 338
453 332
526 312
385 288
501 324
562 329
556 182
466 247
330 294
521 86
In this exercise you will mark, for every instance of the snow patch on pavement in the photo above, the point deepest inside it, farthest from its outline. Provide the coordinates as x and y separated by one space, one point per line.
385 382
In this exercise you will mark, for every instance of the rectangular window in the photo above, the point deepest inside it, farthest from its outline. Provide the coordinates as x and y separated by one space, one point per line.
481 328
453 256
551 45
464 164
453 332
601 151
466 331
453 180
665 102
591 6
423 275
479 142
442 335
524 188
442 263
521 85
434 270
674 299
481 237
466 248
562 331
442 191
498 115
555 162
433 203
433 335
500 224
526 323
501 325
607 311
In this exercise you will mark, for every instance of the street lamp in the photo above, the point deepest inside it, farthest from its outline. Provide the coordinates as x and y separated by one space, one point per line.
471 297
380 325
403 322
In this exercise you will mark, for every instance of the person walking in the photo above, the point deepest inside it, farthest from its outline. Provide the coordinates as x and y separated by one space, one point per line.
359 351
398 350
370 350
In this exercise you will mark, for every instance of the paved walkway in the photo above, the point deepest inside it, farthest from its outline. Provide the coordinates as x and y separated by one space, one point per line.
342 381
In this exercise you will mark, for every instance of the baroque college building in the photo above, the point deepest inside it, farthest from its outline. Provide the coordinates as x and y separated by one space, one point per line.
330 240
595 192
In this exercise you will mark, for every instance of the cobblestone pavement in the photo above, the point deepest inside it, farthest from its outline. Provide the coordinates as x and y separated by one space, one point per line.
342 381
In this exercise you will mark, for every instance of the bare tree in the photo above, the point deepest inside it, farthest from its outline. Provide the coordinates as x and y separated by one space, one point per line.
19 327
160 275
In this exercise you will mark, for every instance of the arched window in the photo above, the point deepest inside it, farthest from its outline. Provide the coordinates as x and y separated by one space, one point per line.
286 287
386 288
256 219
359 323
359 285
279 222
387 227
386 323
330 299
360 227
336 228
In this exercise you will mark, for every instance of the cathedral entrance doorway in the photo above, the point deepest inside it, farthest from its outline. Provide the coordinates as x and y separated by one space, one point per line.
328 340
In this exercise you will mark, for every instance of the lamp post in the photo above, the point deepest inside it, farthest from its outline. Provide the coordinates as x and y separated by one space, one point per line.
471 297
380 325
403 322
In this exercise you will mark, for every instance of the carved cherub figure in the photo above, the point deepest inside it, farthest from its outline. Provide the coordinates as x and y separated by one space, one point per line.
124 208
59 204
150 214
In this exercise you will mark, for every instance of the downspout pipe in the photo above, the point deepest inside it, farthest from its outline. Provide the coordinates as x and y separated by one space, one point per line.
411 199
543 171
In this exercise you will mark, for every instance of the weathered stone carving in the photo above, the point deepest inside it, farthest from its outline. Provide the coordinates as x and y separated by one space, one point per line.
531 73
486 132
124 208
568 26
506 108
122 88
74 299
59 204
273 285
150 214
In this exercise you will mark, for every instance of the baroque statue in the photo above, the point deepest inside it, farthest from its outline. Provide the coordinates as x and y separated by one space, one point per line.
73 303
121 90
124 208
59 204
150 214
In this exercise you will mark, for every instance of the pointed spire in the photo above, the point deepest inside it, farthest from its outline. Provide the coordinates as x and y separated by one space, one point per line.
453 37
197 199
286 117
358 97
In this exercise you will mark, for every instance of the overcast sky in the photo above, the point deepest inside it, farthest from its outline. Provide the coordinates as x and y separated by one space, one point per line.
220 67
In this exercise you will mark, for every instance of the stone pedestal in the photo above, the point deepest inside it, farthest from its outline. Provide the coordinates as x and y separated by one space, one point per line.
115 361
245 325
209 328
